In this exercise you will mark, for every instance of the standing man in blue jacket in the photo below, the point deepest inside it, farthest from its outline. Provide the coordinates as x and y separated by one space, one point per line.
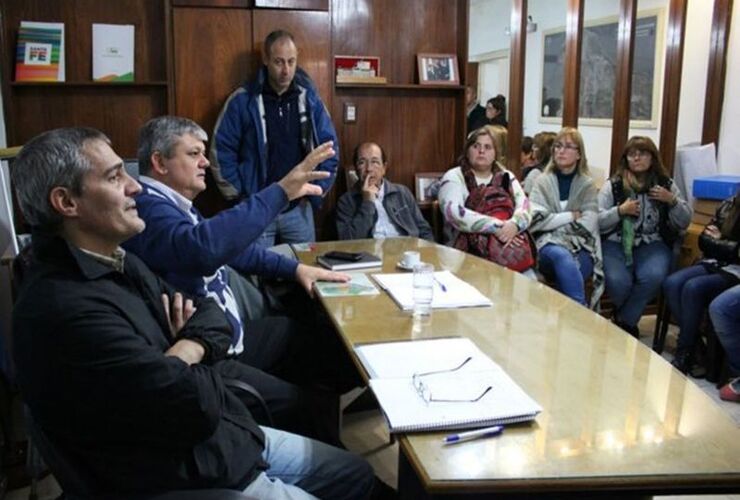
266 128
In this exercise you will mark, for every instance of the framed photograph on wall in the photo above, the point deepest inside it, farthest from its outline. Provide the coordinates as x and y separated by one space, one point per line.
598 71
438 69
427 186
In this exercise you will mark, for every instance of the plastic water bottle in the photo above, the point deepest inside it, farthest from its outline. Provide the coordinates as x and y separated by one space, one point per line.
423 289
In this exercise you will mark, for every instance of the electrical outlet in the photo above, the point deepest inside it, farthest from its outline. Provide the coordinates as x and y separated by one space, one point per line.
350 112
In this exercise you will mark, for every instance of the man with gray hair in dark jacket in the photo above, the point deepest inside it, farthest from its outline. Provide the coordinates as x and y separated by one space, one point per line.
121 372
376 207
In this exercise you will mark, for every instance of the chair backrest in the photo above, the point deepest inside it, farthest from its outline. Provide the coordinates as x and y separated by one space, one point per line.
69 476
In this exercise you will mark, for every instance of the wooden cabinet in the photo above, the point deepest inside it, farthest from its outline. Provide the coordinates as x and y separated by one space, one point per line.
118 109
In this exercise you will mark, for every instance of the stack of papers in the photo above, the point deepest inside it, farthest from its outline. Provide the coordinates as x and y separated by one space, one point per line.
477 394
449 291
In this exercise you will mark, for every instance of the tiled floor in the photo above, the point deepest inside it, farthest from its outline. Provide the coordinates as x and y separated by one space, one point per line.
366 433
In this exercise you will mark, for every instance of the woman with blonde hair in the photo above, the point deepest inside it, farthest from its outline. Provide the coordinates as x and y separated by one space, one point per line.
500 142
485 209
641 215
565 220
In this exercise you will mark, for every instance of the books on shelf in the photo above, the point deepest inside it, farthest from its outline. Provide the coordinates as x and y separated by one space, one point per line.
449 291
359 284
368 260
113 52
419 389
40 52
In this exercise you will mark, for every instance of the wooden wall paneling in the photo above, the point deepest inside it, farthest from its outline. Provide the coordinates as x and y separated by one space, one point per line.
293 4
116 109
423 139
397 31
461 29
118 115
572 71
516 82
312 33
168 30
623 84
5 74
672 81
412 125
422 129
209 66
717 70
471 74
237 4
78 16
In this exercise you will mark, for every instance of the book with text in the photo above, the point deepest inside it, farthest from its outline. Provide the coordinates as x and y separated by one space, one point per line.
438 384
367 261
40 52
113 52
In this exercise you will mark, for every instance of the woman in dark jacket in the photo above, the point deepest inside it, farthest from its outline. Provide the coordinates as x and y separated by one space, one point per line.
689 291
641 215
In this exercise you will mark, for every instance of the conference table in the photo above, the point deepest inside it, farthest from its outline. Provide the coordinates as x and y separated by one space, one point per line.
617 419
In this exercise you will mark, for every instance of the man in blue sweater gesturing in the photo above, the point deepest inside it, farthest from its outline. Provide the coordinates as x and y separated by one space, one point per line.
205 257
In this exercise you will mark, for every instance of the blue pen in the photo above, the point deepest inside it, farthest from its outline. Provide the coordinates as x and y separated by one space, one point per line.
441 285
478 433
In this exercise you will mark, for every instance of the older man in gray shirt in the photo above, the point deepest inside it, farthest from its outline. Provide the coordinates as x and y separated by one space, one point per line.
376 207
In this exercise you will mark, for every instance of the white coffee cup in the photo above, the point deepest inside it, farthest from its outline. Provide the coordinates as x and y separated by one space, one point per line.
410 259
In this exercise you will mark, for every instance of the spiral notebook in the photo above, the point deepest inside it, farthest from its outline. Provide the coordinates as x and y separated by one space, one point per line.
421 386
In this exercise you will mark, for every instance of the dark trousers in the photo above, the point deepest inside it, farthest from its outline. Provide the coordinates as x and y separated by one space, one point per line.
288 366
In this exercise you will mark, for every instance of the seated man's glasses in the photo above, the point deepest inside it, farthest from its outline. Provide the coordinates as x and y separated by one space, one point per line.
425 392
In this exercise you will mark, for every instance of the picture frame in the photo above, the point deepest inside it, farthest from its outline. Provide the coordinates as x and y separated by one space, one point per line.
358 69
424 183
438 69
598 61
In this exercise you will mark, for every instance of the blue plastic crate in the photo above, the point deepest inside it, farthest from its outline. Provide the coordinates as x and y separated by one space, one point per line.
716 187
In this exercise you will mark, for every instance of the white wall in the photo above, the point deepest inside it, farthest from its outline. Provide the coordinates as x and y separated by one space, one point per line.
729 146
487 23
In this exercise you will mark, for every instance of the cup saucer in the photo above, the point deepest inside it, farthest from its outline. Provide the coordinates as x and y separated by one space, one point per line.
403 266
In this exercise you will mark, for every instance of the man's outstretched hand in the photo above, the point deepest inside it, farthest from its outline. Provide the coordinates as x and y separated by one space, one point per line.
296 183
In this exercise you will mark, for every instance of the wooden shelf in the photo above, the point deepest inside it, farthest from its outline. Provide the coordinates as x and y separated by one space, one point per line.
89 84
397 86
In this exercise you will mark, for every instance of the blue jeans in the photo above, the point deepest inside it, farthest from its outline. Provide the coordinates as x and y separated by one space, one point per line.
725 314
631 288
688 292
301 468
568 270
293 226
